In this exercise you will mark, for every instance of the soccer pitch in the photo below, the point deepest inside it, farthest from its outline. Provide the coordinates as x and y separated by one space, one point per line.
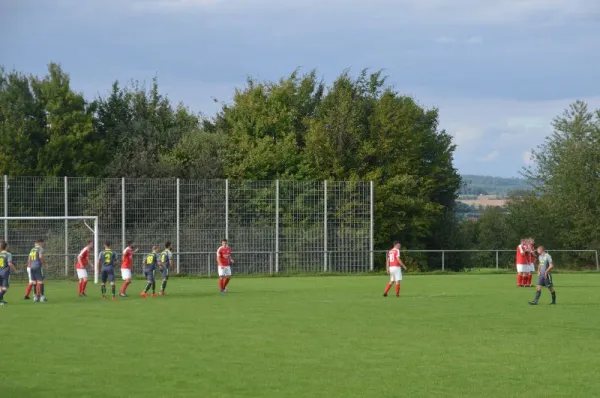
447 336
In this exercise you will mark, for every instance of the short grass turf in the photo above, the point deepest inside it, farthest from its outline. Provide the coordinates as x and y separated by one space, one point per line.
447 336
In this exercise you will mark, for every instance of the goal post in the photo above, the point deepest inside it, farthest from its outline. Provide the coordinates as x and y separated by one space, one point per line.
59 232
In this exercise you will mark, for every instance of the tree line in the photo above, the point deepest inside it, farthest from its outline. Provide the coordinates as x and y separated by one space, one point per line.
357 128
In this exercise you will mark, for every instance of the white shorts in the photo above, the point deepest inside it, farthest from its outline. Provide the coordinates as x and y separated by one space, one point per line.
395 274
82 273
224 271
530 268
29 275
522 268
125 273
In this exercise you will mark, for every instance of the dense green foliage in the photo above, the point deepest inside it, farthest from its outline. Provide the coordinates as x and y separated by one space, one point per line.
297 128
455 336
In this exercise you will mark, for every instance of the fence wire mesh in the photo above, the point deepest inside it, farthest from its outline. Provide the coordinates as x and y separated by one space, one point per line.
273 226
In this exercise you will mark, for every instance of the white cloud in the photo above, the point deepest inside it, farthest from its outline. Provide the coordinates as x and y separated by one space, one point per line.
474 40
445 40
490 157
465 11
528 159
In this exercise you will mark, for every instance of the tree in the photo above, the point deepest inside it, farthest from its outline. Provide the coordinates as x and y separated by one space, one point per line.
566 177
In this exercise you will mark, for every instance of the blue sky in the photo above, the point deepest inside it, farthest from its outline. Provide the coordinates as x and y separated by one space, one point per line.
498 70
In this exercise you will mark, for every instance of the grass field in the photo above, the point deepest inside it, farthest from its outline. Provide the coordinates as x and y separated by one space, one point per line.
447 336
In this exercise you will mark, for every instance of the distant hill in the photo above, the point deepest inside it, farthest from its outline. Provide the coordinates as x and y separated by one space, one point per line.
486 185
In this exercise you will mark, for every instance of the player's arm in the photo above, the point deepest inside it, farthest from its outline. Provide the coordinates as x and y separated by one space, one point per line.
401 263
387 264
219 255
550 266
43 259
11 265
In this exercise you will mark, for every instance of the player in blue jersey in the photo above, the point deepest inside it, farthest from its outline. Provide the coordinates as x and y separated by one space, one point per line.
150 263
545 268
164 264
6 265
36 263
106 263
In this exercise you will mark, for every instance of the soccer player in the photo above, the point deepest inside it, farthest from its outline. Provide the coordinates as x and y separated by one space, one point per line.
531 255
150 262
224 262
164 264
126 267
521 263
106 263
35 263
30 285
393 266
81 266
6 265
545 268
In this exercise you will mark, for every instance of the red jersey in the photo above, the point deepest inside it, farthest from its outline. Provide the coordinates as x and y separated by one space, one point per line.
521 256
127 258
82 259
394 257
223 255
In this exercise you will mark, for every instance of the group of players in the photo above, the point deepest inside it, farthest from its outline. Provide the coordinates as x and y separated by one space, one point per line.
107 262
526 258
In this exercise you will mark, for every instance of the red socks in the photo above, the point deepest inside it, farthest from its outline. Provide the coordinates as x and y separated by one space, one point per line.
528 282
82 285
221 284
519 280
125 286
225 283
387 288
397 289
28 290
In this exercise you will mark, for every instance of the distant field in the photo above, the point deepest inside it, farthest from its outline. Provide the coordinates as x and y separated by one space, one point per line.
483 200
447 336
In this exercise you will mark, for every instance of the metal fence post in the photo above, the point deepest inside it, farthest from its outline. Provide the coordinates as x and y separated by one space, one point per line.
226 209
597 263
208 265
277 226
177 234
5 207
271 263
497 260
371 227
325 226
96 249
123 244
66 227
443 260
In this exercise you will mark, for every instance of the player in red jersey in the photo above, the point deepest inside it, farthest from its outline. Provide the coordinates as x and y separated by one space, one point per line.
521 262
530 269
81 267
393 266
126 267
224 262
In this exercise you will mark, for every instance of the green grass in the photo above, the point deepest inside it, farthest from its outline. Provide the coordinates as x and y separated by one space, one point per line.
447 336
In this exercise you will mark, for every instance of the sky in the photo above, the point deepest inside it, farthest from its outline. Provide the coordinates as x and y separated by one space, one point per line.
498 70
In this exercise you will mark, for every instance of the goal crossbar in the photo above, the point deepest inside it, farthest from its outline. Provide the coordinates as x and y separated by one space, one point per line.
93 219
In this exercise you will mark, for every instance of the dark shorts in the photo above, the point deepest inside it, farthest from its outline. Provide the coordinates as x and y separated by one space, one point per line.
547 282
149 276
36 274
107 275
5 279
165 273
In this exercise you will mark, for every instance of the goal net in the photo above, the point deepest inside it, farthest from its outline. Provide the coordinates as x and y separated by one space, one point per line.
64 237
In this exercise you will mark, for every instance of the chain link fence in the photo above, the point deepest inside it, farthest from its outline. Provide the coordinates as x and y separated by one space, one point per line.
273 226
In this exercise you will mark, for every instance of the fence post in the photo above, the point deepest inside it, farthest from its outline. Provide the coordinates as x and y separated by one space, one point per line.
497 260
66 227
177 226
96 249
226 209
325 238
371 227
271 263
208 265
443 260
597 263
123 244
276 226
5 207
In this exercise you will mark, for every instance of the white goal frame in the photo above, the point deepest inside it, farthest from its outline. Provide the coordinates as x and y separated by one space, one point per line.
94 229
